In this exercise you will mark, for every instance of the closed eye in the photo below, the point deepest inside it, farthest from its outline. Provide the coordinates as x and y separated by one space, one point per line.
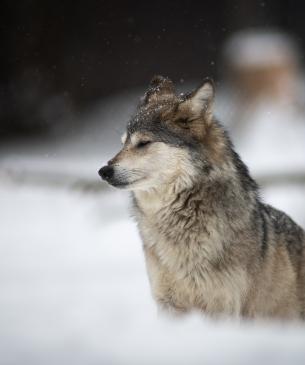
142 144
184 123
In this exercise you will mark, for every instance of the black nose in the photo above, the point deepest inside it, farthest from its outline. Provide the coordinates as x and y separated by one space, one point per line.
106 172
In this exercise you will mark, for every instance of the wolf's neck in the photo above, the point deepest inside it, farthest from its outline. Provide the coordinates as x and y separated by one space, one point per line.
151 202
223 197
204 204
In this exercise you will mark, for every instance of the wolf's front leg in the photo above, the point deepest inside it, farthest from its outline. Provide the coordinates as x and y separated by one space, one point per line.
168 310
162 285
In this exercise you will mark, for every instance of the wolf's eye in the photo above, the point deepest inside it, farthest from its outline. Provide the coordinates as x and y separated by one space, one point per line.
182 123
142 144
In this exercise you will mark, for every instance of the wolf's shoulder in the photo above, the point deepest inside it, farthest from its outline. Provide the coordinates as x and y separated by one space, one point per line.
281 221
286 229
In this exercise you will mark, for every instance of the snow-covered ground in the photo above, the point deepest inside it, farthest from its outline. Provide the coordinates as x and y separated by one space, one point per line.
73 284
74 290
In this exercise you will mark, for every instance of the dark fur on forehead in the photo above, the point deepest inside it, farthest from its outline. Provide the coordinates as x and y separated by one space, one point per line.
158 111
178 120
156 118
148 115
159 100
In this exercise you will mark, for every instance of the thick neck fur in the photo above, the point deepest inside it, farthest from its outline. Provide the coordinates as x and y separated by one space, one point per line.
212 210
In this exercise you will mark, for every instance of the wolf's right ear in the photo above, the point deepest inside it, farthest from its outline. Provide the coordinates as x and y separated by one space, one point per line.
159 87
201 100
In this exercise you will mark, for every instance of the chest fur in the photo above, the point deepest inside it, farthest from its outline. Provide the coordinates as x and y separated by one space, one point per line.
184 251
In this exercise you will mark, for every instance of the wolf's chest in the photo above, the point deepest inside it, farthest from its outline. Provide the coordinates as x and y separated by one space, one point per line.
181 243
187 283
183 277
182 253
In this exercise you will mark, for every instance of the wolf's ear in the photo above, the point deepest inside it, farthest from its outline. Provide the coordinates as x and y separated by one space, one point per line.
159 87
164 83
201 100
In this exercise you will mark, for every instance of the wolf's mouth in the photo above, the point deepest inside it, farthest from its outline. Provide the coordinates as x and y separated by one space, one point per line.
120 184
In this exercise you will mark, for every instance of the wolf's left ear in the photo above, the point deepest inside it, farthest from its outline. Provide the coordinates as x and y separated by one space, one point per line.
159 87
201 100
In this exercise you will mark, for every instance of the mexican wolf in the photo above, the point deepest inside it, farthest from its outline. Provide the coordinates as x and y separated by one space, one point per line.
210 243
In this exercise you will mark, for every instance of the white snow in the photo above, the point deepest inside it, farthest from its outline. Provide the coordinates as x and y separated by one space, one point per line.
74 290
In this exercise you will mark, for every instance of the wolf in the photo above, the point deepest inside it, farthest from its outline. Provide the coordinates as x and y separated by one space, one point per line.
210 243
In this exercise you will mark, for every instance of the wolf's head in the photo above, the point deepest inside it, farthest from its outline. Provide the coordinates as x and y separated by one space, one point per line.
171 139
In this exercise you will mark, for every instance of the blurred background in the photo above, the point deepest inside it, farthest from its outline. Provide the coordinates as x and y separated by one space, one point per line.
72 276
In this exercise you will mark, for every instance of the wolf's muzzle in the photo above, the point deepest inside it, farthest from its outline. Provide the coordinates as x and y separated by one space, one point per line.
106 172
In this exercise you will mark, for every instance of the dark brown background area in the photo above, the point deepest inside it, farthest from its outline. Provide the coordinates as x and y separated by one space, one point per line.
60 57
